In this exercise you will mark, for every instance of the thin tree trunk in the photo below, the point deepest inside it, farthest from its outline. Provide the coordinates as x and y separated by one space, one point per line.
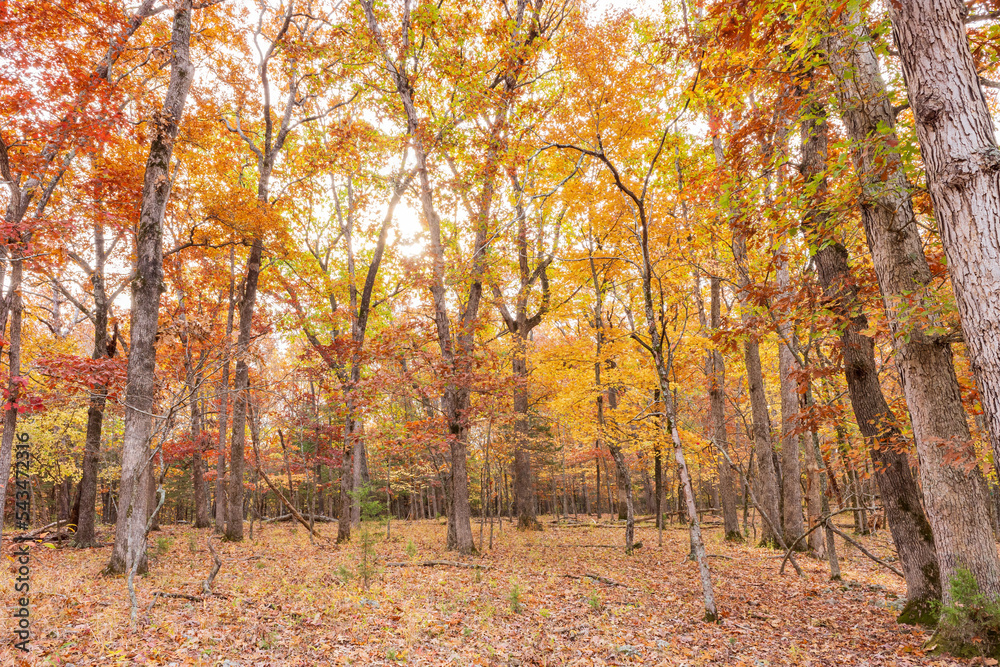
717 410
220 465
791 475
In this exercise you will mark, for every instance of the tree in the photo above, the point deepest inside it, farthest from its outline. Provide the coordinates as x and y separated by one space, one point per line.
129 554
960 154
911 531
953 487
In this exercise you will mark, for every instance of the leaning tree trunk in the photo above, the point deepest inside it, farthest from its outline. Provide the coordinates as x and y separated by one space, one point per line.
962 161
129 552
910 529
954 490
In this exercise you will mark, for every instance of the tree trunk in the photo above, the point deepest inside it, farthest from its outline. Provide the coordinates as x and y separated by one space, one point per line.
791 474
952 482
346 482
910 529
85 518
201 518
960 154
129 552
220 464
523 488
717 411
767 477
241 384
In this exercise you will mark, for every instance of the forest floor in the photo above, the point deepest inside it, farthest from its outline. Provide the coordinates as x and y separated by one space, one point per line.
285 601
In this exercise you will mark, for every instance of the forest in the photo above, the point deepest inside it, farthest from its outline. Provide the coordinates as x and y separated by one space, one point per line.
517 332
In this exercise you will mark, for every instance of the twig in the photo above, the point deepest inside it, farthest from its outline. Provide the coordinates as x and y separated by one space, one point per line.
179 596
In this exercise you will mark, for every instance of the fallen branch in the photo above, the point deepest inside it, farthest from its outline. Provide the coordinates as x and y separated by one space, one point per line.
23 537
864 551
596 577
179 596
207 585
288 517
819 524
447 563
291 508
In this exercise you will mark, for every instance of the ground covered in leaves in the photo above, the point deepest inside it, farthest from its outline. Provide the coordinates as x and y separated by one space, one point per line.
285 601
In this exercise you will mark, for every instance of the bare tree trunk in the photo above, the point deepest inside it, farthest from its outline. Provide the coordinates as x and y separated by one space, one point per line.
767 477
960 154
910 529
717 411
791 474
346 481
220 465
241 385
953 487
86 505
201 518
129 554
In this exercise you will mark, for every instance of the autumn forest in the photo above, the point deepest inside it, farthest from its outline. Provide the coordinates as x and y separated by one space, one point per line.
510 332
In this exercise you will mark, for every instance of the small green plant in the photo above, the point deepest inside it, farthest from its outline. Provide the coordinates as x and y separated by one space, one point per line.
969 626
393 654
514 597
345 575
192 544
162 546
594 600
411 548
371 508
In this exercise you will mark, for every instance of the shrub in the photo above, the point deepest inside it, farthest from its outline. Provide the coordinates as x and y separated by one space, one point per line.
970 625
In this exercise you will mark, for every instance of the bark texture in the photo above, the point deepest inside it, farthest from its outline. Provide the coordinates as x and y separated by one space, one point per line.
129 552
954 490
768 493
87 503
910 529
791 471
962 161
717 413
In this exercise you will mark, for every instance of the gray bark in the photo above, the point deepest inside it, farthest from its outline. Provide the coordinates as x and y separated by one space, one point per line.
909 526
129 554
962 161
